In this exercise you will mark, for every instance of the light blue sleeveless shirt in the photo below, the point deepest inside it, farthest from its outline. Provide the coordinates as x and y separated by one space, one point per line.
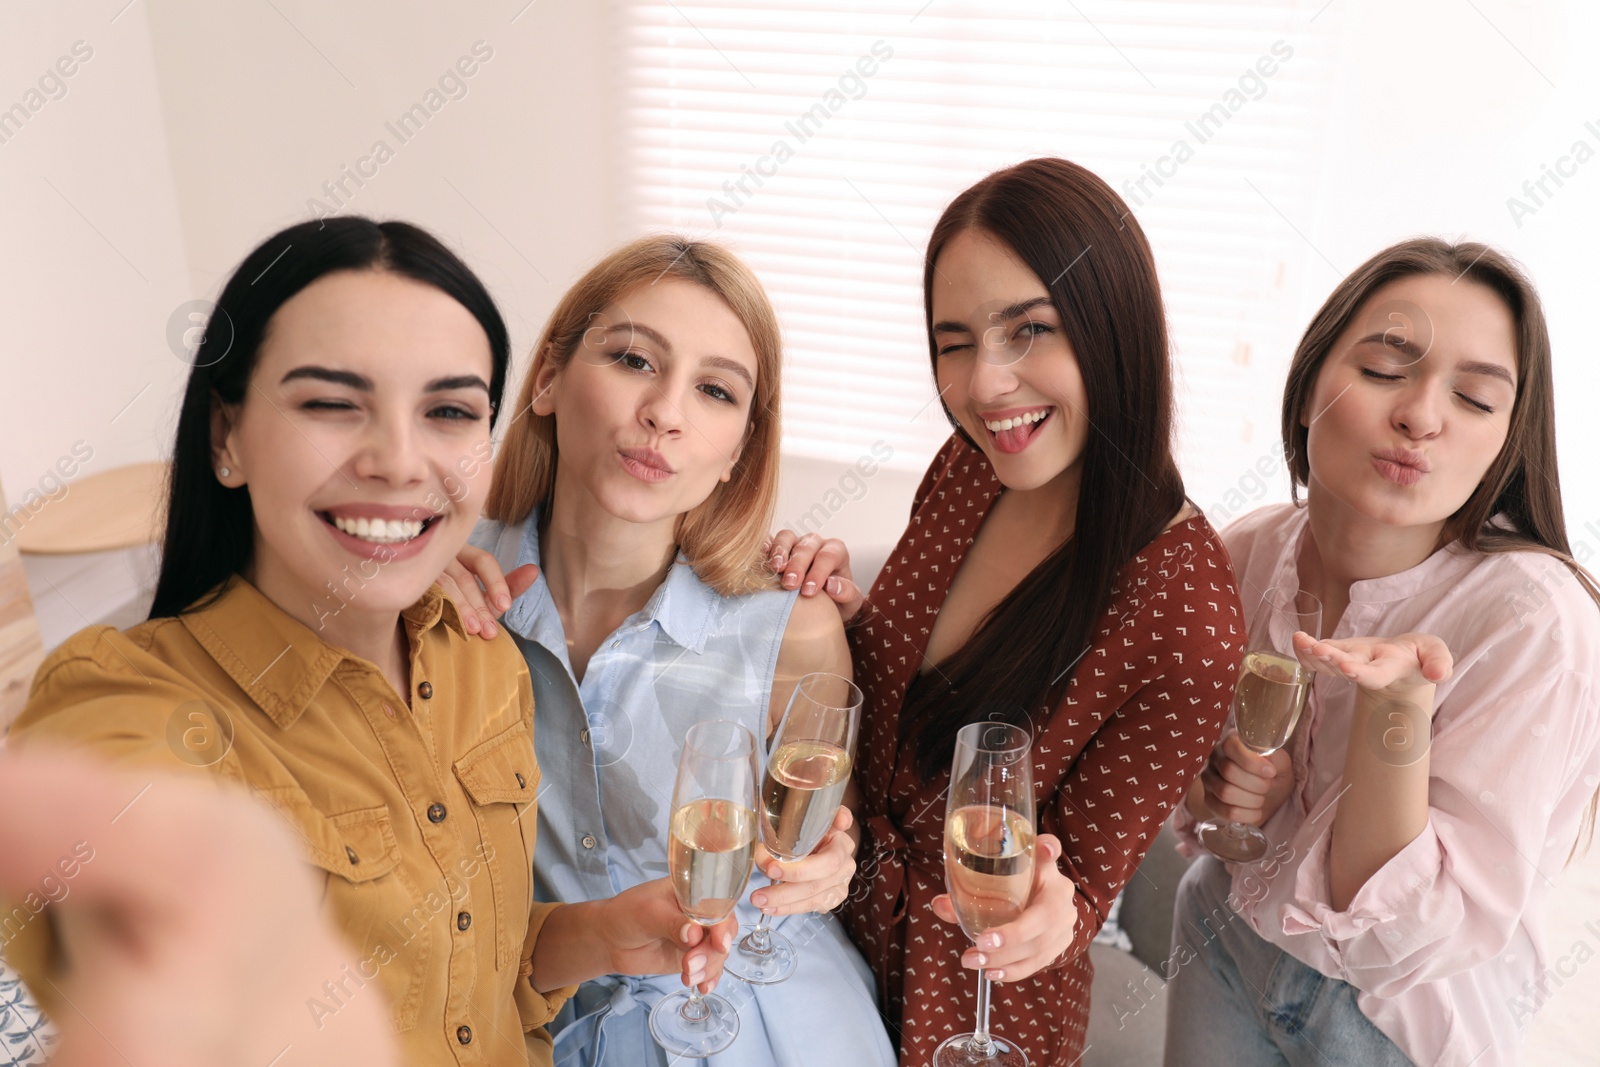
608 753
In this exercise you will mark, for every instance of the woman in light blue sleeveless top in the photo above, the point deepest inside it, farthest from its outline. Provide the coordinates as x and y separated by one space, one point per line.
646 438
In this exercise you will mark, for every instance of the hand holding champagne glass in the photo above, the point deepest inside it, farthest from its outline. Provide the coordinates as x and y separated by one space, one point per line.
988 862
710 848
1272 692
807 773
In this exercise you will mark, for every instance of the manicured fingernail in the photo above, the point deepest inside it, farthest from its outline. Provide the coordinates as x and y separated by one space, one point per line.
504 600
696 977
471 624
491 629
791 580
759 900
997 976
979 959
779 559
989 940
835 585
810 588
683 935
774 872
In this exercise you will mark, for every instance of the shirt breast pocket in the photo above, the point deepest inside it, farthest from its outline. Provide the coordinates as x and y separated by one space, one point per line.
501 776
370 898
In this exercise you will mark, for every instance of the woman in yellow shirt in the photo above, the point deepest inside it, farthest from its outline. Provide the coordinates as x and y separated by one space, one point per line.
332 456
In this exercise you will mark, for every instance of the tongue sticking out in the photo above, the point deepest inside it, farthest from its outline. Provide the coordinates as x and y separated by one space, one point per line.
1017 438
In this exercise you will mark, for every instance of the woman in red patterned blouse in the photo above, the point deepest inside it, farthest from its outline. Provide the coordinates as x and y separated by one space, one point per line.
1052 576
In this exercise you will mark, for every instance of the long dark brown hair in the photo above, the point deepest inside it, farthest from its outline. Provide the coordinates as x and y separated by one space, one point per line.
210 528
1522 485
1081 241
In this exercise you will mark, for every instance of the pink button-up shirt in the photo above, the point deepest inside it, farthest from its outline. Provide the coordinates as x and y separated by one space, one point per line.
1445 943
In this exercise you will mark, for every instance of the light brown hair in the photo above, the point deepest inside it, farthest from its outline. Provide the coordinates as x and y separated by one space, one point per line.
722 537
1522 484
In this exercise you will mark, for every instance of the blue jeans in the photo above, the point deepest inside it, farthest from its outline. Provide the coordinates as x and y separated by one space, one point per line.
1241 1001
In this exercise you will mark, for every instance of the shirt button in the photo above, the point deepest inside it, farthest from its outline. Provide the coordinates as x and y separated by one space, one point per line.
522 783
436 813
464 1034
463 920
425 690
351 854
583 735
589 841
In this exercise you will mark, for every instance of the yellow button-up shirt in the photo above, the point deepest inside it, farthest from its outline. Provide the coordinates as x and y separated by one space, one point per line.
420 819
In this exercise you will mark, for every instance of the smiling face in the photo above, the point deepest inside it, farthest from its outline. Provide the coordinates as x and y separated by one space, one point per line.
1413 402
652 410
363 441
1004 367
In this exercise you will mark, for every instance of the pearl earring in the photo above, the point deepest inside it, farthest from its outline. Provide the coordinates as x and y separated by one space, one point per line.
224 471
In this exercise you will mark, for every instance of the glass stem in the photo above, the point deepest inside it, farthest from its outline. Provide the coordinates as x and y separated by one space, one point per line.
694 1009
759 940
981 1042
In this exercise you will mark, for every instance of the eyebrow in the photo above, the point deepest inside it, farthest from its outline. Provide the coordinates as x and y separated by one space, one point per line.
1491 370
1005 315
732 366
364 384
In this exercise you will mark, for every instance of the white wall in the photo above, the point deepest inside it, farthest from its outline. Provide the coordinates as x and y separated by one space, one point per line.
93 258
195 130
1437 113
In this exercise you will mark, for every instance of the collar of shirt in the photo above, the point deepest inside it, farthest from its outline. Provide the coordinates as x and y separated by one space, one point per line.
241 623
1446 564
682 605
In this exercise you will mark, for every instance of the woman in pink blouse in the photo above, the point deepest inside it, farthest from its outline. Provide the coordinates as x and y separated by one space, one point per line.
1448 758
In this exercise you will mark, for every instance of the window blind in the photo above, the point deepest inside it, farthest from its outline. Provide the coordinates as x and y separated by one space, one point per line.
821 141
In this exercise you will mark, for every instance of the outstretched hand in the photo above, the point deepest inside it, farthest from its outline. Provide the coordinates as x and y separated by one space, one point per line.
1391 666
192 925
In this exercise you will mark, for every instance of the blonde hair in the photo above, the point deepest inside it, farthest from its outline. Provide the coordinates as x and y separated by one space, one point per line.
722 537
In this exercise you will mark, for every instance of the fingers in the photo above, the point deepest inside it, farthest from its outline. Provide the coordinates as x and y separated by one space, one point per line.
1435 658
778 548
797 563
832 561
1244 767
704 967
519 581
1044 930
1237 781
461 586
819 882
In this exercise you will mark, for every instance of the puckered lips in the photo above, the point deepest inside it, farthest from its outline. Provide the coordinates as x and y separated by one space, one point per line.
645 464
1402 466
1013 429
386 532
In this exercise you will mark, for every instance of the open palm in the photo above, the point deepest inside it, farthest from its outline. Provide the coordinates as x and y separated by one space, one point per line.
1390 665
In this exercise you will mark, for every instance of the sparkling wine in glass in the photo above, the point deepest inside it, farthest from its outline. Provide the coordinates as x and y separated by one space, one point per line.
807 774
1272 693
988 862
711 844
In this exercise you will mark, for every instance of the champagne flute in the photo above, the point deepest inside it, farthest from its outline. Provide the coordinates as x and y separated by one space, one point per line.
710 847
807 773
988 862
1272 693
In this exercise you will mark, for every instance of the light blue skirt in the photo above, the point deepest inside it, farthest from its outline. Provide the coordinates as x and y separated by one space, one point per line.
826 1013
